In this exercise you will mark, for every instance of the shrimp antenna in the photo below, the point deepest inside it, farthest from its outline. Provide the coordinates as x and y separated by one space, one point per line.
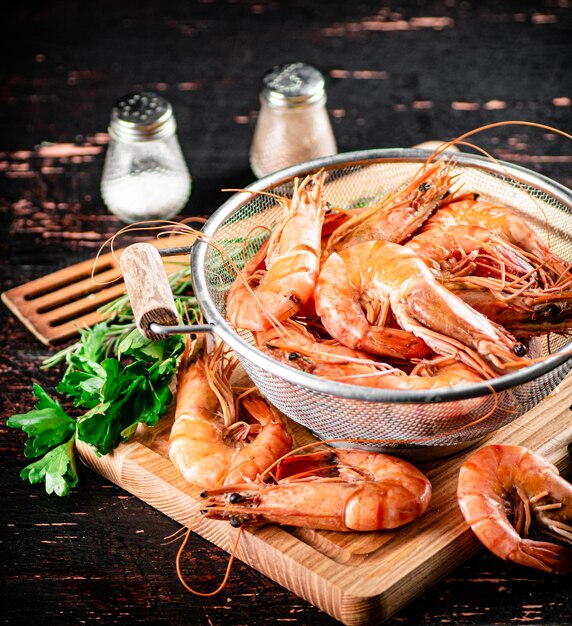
222 585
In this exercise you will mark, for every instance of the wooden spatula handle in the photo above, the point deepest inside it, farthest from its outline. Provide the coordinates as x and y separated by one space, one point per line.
148 288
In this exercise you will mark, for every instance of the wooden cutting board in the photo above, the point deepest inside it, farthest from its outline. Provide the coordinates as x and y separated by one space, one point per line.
357 578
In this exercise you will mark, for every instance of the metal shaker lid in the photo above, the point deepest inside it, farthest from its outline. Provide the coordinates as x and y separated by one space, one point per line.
292 85
141 117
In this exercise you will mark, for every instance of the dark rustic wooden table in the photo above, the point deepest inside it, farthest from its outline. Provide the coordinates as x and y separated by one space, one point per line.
397 74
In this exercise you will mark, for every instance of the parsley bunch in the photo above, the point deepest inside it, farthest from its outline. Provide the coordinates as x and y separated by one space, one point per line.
116 379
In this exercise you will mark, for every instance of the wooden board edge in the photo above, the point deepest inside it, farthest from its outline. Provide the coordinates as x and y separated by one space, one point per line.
127 468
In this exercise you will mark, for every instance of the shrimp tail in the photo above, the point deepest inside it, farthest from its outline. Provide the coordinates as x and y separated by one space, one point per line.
542 555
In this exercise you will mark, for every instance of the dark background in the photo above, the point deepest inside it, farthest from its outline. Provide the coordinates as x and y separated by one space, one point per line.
397 73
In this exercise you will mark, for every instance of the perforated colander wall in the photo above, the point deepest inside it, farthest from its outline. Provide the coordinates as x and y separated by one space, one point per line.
382 417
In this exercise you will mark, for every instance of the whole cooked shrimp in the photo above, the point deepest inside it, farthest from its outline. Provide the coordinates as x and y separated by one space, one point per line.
281 277
497 278
297 347
399 213
472 253
294 345
221 436
357 315
503 222
342 489
528 315
420 305
502 491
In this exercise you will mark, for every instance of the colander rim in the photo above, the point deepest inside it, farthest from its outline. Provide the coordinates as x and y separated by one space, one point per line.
328 387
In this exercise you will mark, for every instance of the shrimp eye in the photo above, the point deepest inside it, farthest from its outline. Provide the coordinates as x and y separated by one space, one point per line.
328 206
293 356
552 311
424 186
234 498
519 349
235 522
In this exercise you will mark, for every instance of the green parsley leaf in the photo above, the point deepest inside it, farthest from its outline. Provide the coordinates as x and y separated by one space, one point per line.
57 469
134 342
82 381
116 379
47 425
136 392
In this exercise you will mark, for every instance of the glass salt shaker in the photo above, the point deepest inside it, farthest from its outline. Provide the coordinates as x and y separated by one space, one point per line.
293 124
145 176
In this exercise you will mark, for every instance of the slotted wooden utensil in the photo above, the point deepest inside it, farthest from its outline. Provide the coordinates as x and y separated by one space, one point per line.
56 306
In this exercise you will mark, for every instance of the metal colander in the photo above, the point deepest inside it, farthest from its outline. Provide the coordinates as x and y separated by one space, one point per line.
444 419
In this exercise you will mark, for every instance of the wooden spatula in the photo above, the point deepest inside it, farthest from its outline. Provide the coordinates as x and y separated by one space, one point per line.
56 306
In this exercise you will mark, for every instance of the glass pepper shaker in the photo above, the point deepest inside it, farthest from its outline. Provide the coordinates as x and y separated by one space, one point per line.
145 176
293 124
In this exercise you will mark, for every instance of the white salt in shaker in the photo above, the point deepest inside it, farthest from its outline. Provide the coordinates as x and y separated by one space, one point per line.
145 176
293 124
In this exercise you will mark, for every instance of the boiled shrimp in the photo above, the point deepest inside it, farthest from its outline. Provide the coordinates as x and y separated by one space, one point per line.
297 347
470 253
527 315
424 307
503 490
399 213
502 222
357 316
281 277
497 279
221 434
294 345
341 490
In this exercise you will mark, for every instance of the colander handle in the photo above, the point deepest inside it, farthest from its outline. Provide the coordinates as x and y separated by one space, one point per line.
150 294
